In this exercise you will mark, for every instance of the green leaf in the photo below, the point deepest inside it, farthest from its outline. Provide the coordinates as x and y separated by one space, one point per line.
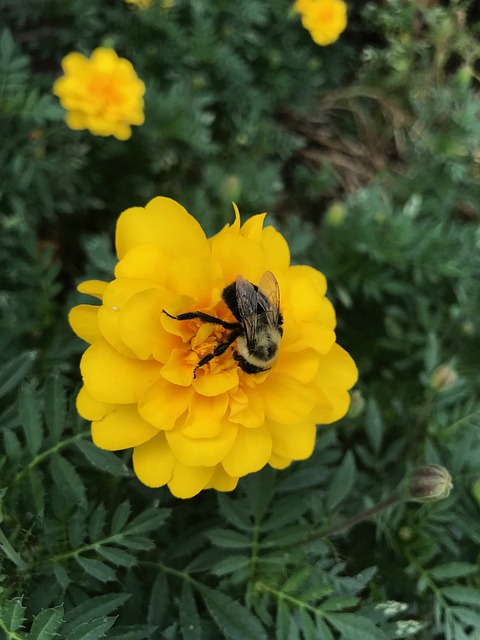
452 570
342 481
148 520
323 631
93 609
338 603
13 614
286 511
55 406
287 537
14 371
467 616
232 618
13 448
133 632
117 557
190 626
36 486
96 525
159 601
229 539
374 425
46 624
120 517
234 513
97 569
30 418
103 460
68 480
282 622
230 565
462 595
354 627
91 630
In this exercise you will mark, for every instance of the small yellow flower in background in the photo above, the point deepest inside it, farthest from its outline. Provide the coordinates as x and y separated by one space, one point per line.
198 427
141 4
324 19
102 94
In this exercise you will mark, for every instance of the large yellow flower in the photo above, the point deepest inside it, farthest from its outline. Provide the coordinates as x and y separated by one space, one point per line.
324 19
102 94
204 428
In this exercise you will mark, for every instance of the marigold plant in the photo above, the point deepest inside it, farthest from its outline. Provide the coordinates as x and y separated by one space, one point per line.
324 19
102 94
191 427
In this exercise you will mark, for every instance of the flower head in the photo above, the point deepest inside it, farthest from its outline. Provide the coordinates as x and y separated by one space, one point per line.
102 94
324 19
141 4
198 422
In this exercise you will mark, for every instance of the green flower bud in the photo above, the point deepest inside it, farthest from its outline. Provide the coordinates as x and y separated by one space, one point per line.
428 483
336 214
357 404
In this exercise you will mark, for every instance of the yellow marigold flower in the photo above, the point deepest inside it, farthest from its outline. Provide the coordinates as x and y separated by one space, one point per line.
198 428
102 94
324 19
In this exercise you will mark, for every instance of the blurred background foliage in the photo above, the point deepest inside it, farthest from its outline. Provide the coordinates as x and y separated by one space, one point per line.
366 156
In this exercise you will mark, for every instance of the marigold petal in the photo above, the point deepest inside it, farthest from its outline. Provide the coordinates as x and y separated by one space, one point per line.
253 227
221 481
186 482
205 415
140 326
163 403
248 410
89 408
178 369
95 288
195 276
84 321
307 290
277 462
74 63
301 365
295 442
275 249
122 428
153 462
250 452
164 222
238 256
112 377
74 119
202 451
287 401
336 369
217 383
145 261
333 404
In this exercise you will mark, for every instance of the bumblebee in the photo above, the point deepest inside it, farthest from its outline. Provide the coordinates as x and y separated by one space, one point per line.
258 329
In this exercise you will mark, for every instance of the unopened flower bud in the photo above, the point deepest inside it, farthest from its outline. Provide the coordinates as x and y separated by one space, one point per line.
444 377
336 214
428 483
357 404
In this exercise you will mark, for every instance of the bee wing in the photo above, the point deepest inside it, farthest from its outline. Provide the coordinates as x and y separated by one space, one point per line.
270 300
247 300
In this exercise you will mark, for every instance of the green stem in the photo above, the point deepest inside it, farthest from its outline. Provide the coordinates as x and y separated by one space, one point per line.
41 457
10 552
358 517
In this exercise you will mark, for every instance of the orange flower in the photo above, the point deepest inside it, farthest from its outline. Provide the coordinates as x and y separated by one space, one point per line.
197 428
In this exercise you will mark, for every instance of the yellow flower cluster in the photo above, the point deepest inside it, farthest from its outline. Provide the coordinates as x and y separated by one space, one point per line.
194 428
324 19
102 94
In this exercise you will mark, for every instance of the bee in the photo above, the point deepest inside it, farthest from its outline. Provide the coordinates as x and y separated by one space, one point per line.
258 327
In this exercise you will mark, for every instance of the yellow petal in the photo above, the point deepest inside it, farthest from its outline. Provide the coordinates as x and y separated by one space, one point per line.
164 222
84 321
163 403
153 462
89 408
307 290
333 404
301 365
178 369
122 428
286 400
111 377
250 412
201 451
145 261
275 249
186 482
94 288
221 481
295 442
277 462
253 228
140 327
238 256
336 369
214 384
250 452
196 277
205 415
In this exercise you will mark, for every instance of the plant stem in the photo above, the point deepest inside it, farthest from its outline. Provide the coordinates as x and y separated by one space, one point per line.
358 517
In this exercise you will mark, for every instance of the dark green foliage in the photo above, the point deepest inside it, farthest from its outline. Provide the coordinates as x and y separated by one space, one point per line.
365 154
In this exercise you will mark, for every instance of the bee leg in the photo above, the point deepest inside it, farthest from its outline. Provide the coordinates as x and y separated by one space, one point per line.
218 351
204 317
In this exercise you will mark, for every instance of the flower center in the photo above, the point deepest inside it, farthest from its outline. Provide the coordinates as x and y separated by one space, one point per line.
207 338
104 90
